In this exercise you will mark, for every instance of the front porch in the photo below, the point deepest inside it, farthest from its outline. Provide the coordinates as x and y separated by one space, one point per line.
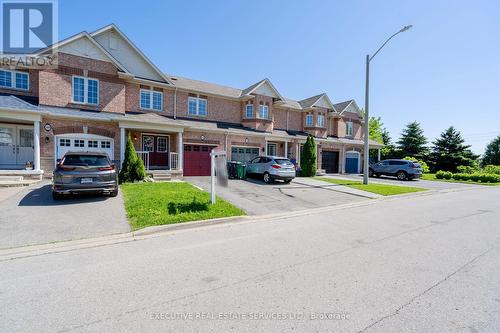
159 146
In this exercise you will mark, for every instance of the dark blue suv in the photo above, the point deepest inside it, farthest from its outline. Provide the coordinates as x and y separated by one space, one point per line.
402 169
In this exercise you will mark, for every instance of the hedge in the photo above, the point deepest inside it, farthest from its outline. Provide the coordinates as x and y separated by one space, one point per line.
475 177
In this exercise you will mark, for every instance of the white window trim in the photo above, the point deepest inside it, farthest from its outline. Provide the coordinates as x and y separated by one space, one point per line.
261 108
151 92
85 90
13 80
312 120
320 116
197 110
246 110
349 125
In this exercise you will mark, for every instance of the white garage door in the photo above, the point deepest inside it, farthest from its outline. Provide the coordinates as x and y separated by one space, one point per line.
84 142
243 154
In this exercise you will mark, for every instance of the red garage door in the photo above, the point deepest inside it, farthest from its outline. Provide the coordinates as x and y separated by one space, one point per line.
197 160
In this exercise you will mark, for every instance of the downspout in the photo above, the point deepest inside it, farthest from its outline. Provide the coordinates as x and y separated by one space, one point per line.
175 103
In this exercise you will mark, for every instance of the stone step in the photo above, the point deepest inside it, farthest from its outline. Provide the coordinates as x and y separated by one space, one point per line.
162 177
11 178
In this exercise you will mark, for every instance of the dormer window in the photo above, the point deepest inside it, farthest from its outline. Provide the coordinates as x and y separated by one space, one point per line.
321 120
249 110
309 120
264 111
349 128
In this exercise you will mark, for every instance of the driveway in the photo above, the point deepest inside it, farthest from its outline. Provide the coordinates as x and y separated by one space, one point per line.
427 184
258 198
30 216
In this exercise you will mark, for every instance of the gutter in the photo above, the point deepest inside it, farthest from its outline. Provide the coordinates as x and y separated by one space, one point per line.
175 103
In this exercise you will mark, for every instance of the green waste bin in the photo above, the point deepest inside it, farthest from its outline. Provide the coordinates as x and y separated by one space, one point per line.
241 171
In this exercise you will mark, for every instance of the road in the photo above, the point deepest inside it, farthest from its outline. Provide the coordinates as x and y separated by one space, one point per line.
430 263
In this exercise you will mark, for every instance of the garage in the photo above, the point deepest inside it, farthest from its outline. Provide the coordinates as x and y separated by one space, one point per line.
244 154
197 160
352 162
84 143
330 161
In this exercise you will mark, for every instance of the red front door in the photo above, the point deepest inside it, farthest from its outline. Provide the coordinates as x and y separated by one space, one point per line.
157 146
197 160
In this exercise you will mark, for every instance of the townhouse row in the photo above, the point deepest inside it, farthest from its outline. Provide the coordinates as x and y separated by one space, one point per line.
104 89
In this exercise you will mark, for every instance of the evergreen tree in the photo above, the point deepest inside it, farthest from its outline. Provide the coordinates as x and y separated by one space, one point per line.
308 158
412 141
492 153
132 166
449 151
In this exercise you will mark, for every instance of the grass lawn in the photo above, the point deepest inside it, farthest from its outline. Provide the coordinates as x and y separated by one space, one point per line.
382 189
432 176
149 204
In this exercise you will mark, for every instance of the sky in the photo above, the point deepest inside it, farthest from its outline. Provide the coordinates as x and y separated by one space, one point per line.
444 71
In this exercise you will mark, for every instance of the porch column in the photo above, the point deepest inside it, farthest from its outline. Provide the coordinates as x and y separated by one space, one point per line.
36 146
378 155
286 149
265 148
122 145
180 150
343 159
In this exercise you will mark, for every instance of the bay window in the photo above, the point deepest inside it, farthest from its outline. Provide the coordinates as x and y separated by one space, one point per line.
349 128
309 120
321 120
264 111
249 111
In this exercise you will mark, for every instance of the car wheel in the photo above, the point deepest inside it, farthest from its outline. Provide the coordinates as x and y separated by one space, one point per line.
113 193
401 175
56 196
267 178
370 172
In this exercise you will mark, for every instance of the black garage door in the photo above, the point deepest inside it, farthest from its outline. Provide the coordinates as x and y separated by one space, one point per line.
330 161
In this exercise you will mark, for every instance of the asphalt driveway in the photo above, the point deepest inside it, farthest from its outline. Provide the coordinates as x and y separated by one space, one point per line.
258 198
427 184
30 216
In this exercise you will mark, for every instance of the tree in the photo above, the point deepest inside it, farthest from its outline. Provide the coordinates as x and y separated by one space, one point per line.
132 166
492 153
412 141
379 133
308 158
449 151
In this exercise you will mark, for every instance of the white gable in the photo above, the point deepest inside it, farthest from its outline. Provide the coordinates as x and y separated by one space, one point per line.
266 90
126 55
323 102
352 108
83 47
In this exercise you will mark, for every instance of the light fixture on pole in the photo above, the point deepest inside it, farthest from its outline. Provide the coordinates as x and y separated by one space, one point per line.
367 97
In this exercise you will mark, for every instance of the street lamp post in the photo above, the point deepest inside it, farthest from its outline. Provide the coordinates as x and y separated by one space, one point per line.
367 100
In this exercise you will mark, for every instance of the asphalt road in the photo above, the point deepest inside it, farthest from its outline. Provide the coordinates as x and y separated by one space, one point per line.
425 264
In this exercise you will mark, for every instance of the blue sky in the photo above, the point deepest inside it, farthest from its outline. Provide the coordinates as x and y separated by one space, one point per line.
444 71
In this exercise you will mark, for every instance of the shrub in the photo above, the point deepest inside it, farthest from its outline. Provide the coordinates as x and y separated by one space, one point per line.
132 166
440 174
467 169
425 167
492 169
308 158
461 176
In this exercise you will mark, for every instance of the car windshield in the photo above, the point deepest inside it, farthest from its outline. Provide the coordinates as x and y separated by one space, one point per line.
416 165
283 161
86 160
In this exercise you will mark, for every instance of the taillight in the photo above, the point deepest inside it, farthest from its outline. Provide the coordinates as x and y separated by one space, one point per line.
108 168
276 166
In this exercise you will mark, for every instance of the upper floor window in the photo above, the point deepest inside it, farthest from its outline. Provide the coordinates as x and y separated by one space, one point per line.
197 106
264 111
249 111
14 80
85 90
309 120
349 128
321 120
152 100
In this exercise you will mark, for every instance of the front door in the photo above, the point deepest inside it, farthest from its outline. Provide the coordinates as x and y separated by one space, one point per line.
16 146
271 149
157 147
